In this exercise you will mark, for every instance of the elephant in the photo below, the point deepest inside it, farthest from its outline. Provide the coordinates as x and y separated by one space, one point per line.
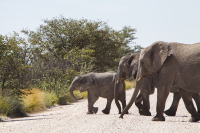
99 85
169 65
128 67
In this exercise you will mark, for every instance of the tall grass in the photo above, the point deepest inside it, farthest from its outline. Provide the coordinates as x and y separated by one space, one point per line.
11 106
38 100
50 99
34 100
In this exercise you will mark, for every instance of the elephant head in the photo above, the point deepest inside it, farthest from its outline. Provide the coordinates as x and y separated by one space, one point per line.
82 83
150 61
128 66
152 58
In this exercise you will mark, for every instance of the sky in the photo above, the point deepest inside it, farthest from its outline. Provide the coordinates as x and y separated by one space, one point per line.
154 20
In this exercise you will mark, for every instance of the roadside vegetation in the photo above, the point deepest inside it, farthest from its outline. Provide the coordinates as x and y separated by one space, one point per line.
130 84
37 69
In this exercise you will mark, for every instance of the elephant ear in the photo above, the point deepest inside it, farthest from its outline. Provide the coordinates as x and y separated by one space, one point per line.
158 55
85 83
130 59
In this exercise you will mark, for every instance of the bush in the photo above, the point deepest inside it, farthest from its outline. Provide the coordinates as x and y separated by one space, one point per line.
38 100
12 107
50 99
35 101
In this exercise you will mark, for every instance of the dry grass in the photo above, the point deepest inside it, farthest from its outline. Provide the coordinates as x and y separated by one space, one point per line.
35 101
130 84
81 94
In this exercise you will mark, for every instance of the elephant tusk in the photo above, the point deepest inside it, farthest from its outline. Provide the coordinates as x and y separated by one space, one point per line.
119 79
140 78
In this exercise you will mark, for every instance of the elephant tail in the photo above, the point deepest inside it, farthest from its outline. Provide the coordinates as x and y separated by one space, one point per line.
133 98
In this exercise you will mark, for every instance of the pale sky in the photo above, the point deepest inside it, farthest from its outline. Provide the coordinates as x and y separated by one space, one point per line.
155 20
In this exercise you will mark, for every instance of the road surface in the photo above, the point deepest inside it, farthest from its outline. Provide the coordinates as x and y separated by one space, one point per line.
73 119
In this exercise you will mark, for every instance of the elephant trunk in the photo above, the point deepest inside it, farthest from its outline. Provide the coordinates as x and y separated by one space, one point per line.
133 98
71 89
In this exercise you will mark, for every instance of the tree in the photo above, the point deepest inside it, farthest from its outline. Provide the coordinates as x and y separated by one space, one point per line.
13 64
103 44
63 48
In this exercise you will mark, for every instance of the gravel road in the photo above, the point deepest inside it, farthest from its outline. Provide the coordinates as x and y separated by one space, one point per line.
73 119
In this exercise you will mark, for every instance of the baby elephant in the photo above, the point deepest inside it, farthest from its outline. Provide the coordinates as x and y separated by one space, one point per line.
98 85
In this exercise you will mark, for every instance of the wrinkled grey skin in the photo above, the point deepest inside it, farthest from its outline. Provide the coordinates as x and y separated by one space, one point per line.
99 85
128 67
170 65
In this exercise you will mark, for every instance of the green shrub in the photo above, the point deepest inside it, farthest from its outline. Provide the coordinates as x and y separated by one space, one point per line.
12 107
50 99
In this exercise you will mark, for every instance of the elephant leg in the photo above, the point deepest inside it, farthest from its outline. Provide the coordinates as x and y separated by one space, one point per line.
172 110
196 98
145 88
162 94
187 98
138 102
108 105
146 105
91 100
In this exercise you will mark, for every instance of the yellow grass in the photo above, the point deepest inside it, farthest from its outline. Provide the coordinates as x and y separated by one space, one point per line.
34 101
130 84
80 94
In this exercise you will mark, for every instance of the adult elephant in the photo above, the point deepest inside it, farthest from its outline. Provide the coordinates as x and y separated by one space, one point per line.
128 67
98 85
171 65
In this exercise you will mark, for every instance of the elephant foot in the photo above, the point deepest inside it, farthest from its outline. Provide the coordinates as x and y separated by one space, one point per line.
194 118
126 112
140 110
89 112
145 113
158 118
105 111
170 112
95 109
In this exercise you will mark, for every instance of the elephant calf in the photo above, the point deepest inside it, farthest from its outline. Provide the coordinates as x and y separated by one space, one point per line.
99 85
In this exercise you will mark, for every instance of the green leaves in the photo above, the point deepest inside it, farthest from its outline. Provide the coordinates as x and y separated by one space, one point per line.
59 50
13 64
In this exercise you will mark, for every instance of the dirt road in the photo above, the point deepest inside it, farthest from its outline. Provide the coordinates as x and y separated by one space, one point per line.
73 119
